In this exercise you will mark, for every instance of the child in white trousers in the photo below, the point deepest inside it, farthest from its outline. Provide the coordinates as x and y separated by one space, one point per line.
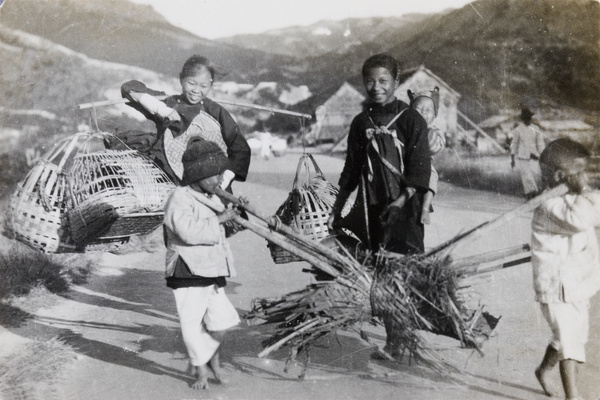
566 260
199 258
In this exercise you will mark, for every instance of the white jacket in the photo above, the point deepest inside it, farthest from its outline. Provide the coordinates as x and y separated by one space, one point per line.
526 141
193 233
564 248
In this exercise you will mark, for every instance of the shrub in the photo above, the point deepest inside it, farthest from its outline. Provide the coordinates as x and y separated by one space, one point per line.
22 269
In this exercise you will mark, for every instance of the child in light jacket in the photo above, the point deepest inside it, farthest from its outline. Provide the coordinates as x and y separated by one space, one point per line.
566 260
198 257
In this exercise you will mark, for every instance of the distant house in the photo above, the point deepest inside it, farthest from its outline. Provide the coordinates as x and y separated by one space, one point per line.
334 110
421 78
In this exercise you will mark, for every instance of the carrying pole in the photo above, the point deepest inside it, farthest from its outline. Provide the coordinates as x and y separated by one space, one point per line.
272 110
502 219
286 230
293 248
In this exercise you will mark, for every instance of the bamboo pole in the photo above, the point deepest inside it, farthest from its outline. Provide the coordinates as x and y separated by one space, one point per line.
272 110
502 219
492 256
482 132
288 231
280 240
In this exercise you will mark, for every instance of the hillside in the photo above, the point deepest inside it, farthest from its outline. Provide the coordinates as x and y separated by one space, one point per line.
323 37
501 52
128 33
497 53
38 74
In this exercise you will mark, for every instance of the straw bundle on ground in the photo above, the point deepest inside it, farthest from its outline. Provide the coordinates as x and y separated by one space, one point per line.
316 311
416 293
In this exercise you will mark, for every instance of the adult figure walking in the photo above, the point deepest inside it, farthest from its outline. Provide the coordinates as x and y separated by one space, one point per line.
525 149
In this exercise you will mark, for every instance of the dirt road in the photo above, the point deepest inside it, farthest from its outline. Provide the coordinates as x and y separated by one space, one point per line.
124 326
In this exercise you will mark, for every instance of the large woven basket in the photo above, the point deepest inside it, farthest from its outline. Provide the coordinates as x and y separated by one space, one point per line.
80 196
307 208
37 209
115 194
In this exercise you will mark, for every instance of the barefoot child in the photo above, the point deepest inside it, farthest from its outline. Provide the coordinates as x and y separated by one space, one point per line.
198 257
426 103
388 162
566 260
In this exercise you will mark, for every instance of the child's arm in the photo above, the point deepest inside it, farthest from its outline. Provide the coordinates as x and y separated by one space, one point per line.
437 140
139 93
569 214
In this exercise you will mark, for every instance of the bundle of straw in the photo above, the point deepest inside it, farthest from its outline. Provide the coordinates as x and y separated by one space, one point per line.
319 310
414 293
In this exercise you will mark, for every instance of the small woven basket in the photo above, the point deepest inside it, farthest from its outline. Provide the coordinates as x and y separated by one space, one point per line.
307 208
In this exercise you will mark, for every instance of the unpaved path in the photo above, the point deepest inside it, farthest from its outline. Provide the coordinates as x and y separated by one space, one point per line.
123 322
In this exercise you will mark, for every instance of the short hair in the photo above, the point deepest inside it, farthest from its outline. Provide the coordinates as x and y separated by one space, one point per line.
557 155
196 63
382 60
561 152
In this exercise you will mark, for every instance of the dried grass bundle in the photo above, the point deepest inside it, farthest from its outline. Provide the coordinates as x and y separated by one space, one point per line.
416 293
320 309
423 293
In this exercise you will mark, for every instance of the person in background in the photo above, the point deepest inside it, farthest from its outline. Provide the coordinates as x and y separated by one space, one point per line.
388 160
566 260
526 146
426 102
198 259
189 114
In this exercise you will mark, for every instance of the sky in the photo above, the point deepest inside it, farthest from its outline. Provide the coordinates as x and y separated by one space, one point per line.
214 19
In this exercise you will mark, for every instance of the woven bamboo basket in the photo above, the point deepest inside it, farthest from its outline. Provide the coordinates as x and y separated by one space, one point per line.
307 208
115 194
37 209
81 196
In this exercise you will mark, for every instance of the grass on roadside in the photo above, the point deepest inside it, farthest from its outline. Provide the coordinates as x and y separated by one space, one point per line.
23 268
35 371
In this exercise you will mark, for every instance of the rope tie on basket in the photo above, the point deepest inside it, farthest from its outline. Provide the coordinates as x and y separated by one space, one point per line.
302 130
371 133
95 117
275 222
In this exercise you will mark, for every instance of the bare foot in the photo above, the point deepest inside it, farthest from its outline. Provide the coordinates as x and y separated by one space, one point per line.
541 377
215 366
201 378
